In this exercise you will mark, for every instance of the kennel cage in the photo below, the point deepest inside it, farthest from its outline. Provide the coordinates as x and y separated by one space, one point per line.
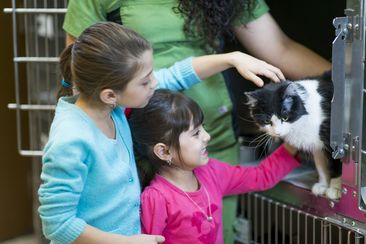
38 39
296 208
284 214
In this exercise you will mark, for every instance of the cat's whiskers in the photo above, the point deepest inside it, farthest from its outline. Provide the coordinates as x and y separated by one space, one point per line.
258 139
265 141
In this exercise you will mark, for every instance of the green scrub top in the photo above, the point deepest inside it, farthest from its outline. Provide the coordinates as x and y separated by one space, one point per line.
158 23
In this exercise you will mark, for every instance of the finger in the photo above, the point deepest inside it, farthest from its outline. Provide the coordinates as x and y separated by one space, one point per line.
270 74
277 71
160 239
253 78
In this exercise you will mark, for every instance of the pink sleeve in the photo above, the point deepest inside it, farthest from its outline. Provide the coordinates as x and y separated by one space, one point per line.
153 212
241 179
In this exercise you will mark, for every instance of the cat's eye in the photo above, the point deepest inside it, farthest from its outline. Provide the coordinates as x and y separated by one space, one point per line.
267 121
284 118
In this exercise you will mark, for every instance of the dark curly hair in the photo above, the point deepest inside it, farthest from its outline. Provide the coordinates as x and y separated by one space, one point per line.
212 19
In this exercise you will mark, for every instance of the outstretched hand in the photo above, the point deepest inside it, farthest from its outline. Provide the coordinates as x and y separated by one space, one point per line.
146 239
250 67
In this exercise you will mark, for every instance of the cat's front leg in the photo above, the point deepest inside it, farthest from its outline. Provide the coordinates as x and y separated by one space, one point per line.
322 166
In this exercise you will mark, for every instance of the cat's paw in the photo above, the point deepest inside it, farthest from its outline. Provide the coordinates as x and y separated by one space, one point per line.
333 193
319 189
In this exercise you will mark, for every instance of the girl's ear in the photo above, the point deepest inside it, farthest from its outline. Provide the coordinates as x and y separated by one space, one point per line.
162 151
109 97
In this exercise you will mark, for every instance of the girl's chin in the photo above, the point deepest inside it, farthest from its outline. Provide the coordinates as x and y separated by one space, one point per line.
205 160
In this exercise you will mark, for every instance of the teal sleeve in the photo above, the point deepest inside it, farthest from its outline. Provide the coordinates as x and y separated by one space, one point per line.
260 9
63 176
180 76
81 14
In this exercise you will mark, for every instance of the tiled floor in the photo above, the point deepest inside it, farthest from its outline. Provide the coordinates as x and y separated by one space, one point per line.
21 240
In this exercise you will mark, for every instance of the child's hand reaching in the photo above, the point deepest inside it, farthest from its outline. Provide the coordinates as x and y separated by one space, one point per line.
250 67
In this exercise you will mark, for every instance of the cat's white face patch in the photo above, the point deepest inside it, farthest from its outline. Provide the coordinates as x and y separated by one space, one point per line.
277 128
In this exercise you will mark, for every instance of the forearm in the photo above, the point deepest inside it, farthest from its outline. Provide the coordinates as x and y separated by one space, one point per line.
297 61
92 235
249 67
264 39
294 59
208 65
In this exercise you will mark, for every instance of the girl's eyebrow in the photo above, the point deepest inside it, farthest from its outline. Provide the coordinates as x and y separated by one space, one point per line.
147 75
194 130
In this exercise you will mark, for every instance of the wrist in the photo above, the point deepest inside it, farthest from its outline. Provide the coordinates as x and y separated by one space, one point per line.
231 59
290 149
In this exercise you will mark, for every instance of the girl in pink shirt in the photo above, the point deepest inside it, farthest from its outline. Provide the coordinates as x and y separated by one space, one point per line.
183 202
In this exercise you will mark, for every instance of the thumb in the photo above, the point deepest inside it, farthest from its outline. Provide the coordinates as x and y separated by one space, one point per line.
160 239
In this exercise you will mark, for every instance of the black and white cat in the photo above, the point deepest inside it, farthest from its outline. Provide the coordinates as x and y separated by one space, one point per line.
298 112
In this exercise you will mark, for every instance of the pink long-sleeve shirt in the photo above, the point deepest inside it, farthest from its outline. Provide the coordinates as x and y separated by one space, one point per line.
166 210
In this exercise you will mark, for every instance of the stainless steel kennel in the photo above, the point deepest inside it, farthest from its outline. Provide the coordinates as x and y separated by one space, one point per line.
285 214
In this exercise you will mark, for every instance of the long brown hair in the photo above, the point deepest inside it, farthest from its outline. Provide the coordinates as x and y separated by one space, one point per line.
166 116
105 55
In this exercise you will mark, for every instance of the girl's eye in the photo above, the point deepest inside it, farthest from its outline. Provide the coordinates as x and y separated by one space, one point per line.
145 83
284 118
196 133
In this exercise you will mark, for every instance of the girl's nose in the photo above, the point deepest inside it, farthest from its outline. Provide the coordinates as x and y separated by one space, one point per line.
206 136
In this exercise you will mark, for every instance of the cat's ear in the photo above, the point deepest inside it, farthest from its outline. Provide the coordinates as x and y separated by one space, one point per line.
295 89
287 103
252 98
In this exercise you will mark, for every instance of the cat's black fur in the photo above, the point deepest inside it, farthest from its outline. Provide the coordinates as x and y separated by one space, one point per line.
299 113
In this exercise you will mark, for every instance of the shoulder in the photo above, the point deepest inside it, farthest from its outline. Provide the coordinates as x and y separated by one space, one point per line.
212 165
259 9
152 194
70 125
82 14
211 170
110 5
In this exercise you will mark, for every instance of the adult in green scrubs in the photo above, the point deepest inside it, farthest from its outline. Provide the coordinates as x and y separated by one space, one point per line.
160 23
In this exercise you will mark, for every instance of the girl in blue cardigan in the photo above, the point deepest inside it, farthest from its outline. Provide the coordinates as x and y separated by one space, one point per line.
90 191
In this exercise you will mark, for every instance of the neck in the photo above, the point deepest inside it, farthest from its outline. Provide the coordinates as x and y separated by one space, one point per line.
181 178
100 114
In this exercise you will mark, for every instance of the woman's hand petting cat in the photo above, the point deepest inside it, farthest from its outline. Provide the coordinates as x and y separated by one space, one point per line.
250 67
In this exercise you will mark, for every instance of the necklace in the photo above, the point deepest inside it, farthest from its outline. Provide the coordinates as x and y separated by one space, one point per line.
208 217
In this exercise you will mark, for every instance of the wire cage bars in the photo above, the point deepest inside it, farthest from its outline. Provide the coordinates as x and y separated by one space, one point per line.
38 39
267 221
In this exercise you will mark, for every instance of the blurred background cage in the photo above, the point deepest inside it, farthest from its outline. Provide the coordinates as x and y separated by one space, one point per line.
285 214
38 40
